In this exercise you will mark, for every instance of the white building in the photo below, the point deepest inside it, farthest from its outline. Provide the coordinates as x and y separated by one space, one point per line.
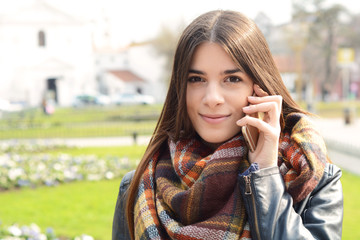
44 52
47 53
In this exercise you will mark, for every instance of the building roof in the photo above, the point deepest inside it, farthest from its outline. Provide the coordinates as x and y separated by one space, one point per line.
126 76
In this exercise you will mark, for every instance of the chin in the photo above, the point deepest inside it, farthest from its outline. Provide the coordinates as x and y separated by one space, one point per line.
217 138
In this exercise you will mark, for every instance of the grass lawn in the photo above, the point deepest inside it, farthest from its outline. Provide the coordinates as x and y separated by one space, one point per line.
334 109
351 191
82 122
111 121
88 207
96 129
70 209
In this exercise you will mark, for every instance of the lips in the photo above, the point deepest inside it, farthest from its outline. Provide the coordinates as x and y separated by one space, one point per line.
214 118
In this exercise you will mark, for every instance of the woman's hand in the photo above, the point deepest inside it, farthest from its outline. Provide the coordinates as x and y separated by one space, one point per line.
266 153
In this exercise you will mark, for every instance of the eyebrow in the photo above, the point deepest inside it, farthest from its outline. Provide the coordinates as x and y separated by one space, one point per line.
230 71
196 71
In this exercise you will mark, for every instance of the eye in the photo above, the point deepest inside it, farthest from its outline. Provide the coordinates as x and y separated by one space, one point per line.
195 79
233 79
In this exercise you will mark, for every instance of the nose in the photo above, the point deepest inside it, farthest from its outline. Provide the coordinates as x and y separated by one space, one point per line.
213 95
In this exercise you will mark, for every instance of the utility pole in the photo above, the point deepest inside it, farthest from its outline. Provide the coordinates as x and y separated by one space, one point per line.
345 58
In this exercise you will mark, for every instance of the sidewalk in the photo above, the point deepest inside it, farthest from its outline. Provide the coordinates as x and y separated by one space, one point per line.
340 136
343 142
106 141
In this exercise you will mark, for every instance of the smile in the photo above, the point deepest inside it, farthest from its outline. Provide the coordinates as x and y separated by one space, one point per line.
214 119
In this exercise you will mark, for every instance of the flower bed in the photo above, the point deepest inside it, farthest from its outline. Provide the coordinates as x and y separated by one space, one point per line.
31 170
32 164
31 146
23 165
33 232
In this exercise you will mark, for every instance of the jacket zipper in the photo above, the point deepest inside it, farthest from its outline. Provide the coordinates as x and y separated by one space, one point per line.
248 192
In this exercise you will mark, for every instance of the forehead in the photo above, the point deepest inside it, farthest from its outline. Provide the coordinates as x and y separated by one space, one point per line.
212 56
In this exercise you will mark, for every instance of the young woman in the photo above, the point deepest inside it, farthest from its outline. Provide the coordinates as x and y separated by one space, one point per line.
198 179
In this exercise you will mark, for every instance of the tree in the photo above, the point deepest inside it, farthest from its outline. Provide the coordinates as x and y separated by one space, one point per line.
324 25
165 44
350 33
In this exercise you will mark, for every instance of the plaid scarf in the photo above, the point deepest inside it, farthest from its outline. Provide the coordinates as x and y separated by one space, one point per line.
190 191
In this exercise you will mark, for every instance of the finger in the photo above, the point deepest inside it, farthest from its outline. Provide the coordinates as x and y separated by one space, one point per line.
259 92
262 107
272 110
259 124
272 98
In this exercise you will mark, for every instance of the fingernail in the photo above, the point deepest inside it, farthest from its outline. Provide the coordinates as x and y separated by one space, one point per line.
240 121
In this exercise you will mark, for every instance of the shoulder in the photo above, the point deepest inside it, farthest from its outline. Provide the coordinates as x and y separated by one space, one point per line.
126 180
120 226
322 211
301 129
332 175
327 192
296 121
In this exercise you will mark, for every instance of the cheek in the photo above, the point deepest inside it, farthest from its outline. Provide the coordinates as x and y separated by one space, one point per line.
238 103
192 98
188 100
190 104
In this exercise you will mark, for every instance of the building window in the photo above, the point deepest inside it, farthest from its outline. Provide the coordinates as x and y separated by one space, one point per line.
41 39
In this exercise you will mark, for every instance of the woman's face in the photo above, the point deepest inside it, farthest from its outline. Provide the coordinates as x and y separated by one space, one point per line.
216 93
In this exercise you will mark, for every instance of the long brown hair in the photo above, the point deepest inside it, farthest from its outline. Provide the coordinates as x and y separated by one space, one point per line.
245 44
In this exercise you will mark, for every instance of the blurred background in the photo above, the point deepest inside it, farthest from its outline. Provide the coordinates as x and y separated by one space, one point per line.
82 84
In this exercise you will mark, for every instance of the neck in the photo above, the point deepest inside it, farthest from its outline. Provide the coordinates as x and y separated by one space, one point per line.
212 146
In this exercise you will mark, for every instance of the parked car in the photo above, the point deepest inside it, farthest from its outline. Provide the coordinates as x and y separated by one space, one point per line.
88 100
7 106
133 99
103 100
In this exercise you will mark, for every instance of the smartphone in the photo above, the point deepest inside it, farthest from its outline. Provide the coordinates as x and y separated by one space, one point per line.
251 133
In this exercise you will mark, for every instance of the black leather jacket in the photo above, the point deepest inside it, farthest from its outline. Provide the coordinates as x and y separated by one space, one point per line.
270 208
